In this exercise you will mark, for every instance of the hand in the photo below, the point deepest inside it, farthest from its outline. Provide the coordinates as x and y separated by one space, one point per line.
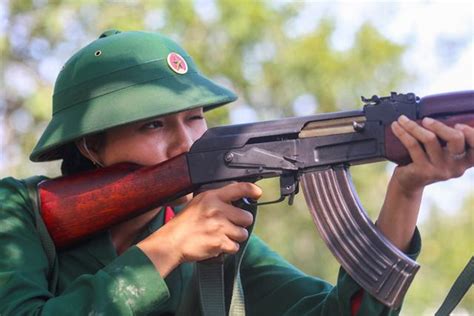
433 163
208 226
430 163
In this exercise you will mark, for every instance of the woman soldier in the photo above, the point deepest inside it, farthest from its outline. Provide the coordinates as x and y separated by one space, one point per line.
138 97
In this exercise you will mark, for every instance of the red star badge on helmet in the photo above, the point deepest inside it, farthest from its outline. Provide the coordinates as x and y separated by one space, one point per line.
177 63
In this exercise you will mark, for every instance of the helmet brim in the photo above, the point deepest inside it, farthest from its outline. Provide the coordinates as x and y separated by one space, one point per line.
134 103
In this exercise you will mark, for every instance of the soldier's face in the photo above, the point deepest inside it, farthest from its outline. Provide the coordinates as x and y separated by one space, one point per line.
153 141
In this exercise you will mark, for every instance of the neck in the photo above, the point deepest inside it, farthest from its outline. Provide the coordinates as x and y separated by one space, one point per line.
124 234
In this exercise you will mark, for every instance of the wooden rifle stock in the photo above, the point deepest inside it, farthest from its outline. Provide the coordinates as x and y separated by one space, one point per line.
81 205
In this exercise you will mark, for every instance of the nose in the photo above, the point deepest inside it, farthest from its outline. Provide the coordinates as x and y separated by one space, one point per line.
181 140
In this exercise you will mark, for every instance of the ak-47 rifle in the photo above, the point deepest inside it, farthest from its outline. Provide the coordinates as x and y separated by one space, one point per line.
317 149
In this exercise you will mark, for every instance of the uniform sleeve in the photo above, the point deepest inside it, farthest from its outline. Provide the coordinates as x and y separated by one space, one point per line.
272 286
129 285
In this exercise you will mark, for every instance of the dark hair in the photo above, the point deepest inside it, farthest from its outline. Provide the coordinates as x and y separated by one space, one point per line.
74 161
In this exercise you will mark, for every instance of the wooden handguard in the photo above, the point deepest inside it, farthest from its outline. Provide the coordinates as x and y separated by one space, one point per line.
450 108
396 152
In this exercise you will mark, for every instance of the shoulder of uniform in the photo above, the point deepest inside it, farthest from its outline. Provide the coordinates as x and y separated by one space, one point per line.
14 192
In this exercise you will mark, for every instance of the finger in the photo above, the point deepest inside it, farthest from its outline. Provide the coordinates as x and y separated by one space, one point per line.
222 227
236 191
237 215
230 246
455 142
411 144
431 144
468 133
469 137
237 233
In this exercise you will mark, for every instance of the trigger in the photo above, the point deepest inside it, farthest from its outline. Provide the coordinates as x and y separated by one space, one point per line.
289 186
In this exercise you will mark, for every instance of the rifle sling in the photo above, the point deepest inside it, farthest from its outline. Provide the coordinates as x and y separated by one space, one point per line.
216 288
458 290
46 241
210 278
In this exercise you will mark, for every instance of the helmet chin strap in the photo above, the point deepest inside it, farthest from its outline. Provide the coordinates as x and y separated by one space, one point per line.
91 156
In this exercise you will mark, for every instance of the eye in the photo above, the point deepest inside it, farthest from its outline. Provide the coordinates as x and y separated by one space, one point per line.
153 125
196 117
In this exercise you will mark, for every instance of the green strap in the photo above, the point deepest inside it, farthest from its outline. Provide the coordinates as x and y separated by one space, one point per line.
206 295
458 290
237 305
210 278
46 241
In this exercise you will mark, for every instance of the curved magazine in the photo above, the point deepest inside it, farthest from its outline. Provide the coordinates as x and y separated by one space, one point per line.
367 256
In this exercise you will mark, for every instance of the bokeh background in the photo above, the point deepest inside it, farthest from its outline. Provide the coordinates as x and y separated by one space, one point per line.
283 58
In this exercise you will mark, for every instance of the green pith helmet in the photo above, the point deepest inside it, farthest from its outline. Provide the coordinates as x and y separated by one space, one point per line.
120 78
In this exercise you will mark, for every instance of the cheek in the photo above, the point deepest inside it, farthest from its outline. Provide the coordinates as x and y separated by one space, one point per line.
138 149
199 130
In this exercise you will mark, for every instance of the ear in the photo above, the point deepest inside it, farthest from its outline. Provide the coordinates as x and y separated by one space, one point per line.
89 148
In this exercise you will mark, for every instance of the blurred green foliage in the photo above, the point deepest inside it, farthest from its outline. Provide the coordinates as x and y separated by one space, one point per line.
254 48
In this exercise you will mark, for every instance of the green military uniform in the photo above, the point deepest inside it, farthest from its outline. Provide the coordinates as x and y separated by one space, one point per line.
94 280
